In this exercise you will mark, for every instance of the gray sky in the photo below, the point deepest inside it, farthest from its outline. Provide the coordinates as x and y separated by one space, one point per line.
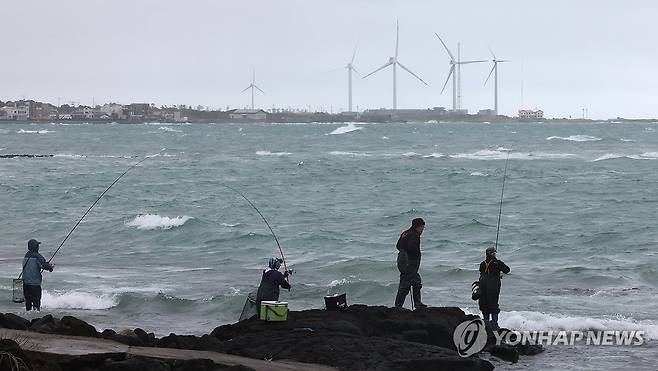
598 54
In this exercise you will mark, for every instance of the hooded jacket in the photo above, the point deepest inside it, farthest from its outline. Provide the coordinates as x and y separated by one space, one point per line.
33 263
409 255
269 286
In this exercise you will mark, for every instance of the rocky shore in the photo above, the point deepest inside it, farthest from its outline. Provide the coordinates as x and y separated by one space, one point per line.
358 338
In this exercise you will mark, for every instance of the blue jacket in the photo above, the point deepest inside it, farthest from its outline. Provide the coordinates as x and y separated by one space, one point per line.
33 263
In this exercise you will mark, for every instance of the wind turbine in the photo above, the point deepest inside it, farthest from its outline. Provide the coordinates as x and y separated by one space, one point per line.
495 68
252 87
456 73
393 61
350 68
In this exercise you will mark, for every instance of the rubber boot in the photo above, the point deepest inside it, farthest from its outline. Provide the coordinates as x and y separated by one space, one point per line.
417 302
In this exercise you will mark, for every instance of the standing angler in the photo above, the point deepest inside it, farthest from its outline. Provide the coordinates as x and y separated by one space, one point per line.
408 264
491 270
33 263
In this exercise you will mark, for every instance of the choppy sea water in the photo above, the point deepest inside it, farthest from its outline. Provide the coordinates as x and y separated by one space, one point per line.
170 249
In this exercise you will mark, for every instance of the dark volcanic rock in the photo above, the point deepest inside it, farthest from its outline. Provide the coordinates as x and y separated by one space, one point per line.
12 321
11 347
505 352
73 326
147 339
46 324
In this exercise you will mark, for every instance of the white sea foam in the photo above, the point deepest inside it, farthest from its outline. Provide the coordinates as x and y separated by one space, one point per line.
576 138
154 221
435 155
477 173
23 131
642 156
170 130
268 153
229 225
385 137
626 140
536 321
347 153
486 154
65 155
345 129
78 300
411 154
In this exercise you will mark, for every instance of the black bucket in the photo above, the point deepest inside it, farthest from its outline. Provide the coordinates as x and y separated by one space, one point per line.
335 302
17 291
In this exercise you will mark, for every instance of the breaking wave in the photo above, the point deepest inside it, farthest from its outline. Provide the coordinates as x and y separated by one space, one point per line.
486 154
170 130
642 156
78 300
345 129
154 221
23 131
347 153
576 138
536 321
268 153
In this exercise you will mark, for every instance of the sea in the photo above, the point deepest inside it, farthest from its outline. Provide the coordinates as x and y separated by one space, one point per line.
171 248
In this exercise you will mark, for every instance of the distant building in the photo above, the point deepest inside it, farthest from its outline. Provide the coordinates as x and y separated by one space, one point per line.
247 114
14 111
113 110
83 113
486 112
527 114
137 110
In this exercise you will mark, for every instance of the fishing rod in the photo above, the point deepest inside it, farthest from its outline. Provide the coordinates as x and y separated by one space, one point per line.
500 210
265 220
92 206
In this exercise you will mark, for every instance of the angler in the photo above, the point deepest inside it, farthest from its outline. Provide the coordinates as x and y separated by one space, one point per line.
33 263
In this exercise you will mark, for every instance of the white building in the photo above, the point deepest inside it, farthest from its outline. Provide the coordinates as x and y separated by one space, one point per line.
247 114
528 114
16 113
113 110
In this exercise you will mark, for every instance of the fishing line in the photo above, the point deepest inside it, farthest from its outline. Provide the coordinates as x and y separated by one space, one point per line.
92 206
500 210
285 266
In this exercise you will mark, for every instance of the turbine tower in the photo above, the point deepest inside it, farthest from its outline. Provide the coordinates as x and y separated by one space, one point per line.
494 70
393 61
455 72
350 68
252 87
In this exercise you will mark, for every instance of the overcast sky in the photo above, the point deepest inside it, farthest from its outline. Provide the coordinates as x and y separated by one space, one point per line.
566 55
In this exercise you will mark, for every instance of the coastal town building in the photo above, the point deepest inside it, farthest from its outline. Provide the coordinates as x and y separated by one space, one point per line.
528 114
247 114
15 111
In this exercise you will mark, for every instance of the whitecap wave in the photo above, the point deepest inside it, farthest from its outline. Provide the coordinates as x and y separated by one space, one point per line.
23 131
477 173
626 140
154 221
345 129
229 225
576 138
78 300
435 155
487 154
348 153
64 155
642 156
536 321
411 154
268 153
170 130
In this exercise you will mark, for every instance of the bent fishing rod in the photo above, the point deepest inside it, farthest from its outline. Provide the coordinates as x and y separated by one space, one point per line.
285 266
92 206
500 210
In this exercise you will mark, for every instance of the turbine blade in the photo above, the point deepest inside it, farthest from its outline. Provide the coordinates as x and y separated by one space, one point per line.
253 78
452 69
492 54
247 88
259 89
397 37
357 72
452 57
379 69
492 69
354 54
469 62
413 74
503 60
